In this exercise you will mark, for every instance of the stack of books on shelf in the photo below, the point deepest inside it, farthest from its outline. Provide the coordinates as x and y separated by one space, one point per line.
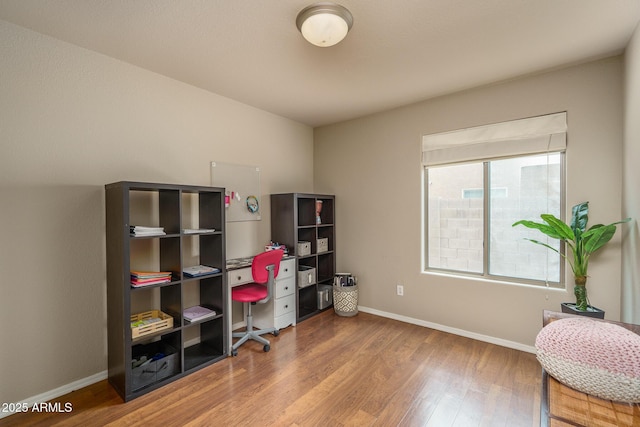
148 278
198 230
197 313
200 270
140 230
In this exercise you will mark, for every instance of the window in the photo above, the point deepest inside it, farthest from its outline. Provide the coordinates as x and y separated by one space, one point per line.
471 204
478 193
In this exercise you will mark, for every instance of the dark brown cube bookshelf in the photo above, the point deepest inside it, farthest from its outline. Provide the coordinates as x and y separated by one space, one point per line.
293 220
183 347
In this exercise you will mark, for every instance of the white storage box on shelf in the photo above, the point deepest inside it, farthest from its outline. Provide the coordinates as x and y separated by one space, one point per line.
304 248
306 276
325 296
323 245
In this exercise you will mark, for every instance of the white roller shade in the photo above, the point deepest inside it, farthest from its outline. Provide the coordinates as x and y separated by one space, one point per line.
517 137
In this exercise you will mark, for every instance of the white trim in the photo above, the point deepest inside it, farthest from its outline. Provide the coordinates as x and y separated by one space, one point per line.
461 332
61 391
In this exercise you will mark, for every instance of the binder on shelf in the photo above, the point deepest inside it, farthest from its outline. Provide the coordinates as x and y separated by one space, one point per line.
197 313
200 270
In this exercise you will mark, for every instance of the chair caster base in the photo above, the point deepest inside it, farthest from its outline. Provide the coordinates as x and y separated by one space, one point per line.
266 347
234 352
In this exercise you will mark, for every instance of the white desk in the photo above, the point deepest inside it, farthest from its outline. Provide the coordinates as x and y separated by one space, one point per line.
279 311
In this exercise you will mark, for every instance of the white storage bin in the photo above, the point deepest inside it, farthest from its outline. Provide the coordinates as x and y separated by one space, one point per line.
325 296
304 248
306 276
323 245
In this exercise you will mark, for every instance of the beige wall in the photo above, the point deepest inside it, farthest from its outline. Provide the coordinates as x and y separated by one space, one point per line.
71 121
631 201
372 164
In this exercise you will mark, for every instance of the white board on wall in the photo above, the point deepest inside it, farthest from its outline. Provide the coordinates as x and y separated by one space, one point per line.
242 190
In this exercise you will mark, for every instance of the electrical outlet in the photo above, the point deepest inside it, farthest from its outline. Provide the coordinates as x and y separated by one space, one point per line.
400 290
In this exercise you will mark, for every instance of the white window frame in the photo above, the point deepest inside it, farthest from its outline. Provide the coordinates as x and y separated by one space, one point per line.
517 138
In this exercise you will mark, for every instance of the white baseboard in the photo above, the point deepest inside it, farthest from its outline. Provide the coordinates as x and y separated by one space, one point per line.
455 331
61 391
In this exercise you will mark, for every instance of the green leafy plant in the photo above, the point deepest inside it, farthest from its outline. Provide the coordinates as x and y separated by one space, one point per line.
581 241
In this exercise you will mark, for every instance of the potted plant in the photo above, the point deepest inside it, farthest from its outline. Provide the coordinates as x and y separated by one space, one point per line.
582 242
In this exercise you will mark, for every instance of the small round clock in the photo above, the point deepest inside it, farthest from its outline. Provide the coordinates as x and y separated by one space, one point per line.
252 204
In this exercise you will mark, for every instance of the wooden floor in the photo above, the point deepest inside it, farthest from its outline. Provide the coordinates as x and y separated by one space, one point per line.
331 371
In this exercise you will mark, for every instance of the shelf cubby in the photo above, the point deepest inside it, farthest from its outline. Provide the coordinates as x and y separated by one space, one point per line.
210 345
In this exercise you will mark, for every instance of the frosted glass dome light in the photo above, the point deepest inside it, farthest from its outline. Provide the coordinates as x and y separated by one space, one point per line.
324 24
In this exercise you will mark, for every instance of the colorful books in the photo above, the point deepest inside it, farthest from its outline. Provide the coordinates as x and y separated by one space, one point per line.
197 313
200 270
148 278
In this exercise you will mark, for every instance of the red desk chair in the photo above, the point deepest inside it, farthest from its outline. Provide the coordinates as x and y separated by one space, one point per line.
264 268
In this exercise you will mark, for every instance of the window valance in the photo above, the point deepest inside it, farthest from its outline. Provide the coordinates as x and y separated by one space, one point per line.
532 135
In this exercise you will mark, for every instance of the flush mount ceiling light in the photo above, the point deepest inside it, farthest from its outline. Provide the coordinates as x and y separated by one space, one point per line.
324 24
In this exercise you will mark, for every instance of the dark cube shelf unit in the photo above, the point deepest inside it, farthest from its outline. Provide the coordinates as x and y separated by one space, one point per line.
293 220
186 346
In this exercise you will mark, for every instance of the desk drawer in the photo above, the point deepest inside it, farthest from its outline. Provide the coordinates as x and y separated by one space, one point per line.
287 268
284 305
240 276
285 287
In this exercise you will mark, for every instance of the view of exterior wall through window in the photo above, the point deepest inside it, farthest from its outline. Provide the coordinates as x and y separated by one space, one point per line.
471 209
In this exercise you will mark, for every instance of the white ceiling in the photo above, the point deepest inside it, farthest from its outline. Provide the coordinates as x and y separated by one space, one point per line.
398 51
